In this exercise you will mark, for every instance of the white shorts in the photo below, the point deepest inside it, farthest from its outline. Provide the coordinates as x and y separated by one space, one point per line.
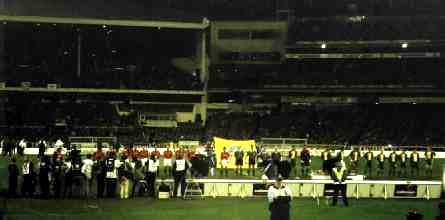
167 162
224 163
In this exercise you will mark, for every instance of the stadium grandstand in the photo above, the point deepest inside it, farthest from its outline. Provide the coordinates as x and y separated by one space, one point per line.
107 107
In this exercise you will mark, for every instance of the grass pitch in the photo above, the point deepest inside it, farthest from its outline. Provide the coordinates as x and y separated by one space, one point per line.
211 209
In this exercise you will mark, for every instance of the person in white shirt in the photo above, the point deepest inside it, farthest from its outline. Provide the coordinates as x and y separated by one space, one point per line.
59 143
22 145
279 196
42 147
28 175
87 171
180 167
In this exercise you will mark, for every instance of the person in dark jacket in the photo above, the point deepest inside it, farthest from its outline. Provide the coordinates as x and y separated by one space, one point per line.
138 179
59 168
44 177
279 197
305 160
151 174
100 171
339 175
28 186
180 167
13 172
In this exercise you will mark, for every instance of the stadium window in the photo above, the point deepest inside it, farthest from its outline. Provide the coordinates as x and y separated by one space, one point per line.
229 55
253 56
265 34
233 34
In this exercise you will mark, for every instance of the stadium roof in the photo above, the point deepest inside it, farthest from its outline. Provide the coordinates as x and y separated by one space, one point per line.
112 12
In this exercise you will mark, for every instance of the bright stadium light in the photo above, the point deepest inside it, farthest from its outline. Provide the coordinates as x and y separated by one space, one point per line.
405 45
323 46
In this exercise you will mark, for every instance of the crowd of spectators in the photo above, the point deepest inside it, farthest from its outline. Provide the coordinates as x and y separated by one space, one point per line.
396 124
362 28
403 124
111 57
414 71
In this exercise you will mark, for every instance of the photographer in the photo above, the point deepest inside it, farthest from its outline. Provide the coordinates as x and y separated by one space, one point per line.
111 174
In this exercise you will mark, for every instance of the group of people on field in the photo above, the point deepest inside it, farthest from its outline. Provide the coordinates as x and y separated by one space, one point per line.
101 174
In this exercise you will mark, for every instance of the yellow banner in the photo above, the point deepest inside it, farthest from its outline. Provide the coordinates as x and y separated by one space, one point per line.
232 146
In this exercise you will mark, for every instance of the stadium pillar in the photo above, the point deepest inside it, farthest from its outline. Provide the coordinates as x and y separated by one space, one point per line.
201 52
3 10
79 53
443 181
203 110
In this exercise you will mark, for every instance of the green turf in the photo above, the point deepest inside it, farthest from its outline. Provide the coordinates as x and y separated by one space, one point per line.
212 209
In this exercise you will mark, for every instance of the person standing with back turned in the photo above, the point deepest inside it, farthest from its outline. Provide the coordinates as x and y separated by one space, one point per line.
279 197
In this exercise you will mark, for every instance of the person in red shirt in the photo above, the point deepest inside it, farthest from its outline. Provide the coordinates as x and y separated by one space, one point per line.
168 155
99 155
137 153
179 154
225 162
190 153
144 153
156 153
127 153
